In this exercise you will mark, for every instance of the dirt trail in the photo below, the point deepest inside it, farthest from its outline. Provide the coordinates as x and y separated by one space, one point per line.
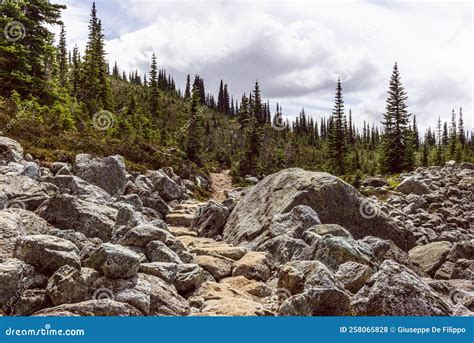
221 182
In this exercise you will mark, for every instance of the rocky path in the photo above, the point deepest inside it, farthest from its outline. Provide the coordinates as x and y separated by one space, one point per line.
234 284
221 183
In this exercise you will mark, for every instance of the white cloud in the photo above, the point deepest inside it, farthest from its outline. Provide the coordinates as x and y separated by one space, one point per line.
298 49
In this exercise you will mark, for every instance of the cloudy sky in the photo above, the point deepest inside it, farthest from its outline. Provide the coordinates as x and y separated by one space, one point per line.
298 49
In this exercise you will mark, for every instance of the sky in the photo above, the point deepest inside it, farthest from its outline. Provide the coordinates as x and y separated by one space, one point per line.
298 49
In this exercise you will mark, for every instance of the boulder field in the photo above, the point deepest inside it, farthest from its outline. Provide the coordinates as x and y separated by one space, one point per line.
92 239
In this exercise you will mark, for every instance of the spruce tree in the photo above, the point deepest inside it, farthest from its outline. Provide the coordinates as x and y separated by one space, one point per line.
187 92
337 146
396 133
194 142
461 133
453 136
154 91
62 57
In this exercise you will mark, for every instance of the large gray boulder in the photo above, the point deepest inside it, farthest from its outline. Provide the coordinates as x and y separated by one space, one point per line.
210 219
395 290
335 201
70 213
104 307
334 251
107 173
17 222
76 186
10 151
430 256
114 261
413 186
185 277
317 302
15 277
166 187
47 253
21 191
67 286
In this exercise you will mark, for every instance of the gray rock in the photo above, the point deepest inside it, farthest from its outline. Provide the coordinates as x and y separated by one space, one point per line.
210 220
143 234
353 275
397 291
284 248
295 222
165 186
67 212
97 308
299 276
30 301
335 201
316 302
32 170
15 278
66 285
157 251
10 151
411 185
185 277
107 173
81 189
16 222
334 251
374 182
47 253
114 261
430 256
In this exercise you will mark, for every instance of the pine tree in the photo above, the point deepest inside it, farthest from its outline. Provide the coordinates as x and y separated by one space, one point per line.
194 147
187 92
396 133
461 133
62 57
75 71
337 146
25 61
439 148
154 91
453 136
94 85
416 135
